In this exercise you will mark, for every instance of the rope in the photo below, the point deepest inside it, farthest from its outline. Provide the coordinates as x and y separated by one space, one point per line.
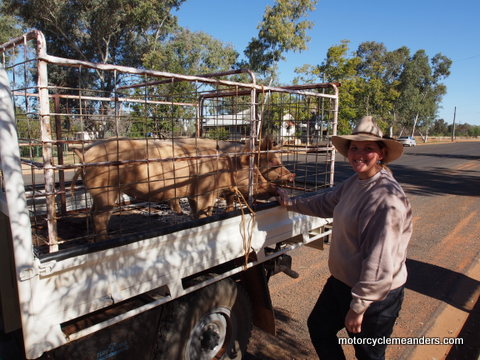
247 236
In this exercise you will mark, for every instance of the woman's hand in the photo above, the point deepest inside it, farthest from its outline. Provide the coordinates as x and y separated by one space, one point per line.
283 198
353 322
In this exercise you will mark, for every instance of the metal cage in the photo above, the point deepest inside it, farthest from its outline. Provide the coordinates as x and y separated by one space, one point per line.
64 107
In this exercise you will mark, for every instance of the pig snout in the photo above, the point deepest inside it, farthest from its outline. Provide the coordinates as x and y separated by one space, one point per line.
280 174
286 175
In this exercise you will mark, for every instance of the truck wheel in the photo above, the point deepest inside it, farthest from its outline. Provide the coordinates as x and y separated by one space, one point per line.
214 322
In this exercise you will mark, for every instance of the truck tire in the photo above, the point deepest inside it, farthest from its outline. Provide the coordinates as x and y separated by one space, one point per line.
214 322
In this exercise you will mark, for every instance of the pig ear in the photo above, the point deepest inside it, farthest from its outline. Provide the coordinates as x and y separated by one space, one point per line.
245 159
267 143
79 153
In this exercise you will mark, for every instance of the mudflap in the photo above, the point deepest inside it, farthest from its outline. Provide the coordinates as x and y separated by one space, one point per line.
254 280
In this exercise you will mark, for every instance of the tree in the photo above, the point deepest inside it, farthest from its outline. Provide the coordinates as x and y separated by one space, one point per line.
124 32
114 31
145 33
337 67
282 29
9 28
465 130
474 130
421 90
395 64
439 127
188 52
400 91
376 93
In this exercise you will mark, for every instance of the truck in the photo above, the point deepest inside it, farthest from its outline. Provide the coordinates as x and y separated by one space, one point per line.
161 285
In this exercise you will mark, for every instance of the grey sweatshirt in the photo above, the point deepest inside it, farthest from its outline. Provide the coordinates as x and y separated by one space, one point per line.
372 225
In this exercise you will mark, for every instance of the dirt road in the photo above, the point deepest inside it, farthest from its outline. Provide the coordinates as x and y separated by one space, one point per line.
442 292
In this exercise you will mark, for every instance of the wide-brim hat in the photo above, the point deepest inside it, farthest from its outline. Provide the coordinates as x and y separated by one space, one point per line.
368 130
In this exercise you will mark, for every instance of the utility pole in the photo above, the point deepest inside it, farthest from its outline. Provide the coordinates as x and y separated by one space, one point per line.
453 127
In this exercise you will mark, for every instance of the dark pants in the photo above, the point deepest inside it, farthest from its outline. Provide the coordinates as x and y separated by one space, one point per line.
328 317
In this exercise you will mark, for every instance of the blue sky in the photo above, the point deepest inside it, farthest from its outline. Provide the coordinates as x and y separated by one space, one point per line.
437 26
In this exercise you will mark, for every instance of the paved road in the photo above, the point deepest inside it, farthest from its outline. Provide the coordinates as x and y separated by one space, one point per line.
443 185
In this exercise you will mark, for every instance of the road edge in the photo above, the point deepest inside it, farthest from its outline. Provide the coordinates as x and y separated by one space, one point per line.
447 322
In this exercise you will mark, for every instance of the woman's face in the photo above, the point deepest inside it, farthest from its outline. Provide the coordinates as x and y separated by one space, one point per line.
364 156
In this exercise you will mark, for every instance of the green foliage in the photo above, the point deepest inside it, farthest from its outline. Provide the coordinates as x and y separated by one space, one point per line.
27 127
439 128
337 67
219 133
161 121
474 130
282 29
399 90
145 33
114 31
9 28
111 31
464 130
193 53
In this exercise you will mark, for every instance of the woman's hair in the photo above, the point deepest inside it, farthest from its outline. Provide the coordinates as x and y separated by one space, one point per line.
381 145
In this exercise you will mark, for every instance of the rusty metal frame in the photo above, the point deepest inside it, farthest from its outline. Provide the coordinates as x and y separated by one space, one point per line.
251 89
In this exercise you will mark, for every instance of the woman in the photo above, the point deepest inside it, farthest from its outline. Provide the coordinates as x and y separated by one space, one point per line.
372 225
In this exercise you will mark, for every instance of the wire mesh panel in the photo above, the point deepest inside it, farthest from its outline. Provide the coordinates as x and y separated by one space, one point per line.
297 123
110 151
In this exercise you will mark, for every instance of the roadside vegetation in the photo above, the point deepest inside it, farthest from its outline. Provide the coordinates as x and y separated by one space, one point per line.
441 128
403 90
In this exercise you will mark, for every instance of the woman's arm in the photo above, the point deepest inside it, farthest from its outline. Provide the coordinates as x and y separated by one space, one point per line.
321 205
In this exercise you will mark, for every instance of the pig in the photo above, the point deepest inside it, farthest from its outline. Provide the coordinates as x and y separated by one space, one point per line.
269 163
201 180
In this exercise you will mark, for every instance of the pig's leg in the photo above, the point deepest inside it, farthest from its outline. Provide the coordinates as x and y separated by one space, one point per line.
175 206
193 207
204 204
101 212
229 198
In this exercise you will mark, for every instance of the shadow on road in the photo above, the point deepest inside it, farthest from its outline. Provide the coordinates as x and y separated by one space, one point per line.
449 286
431 181
449 156
457 290
438 181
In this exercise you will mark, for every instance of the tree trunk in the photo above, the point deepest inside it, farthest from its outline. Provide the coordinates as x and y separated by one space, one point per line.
392 125
414 124
424 138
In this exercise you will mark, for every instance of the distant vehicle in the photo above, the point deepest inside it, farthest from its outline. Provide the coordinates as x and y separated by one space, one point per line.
407 140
